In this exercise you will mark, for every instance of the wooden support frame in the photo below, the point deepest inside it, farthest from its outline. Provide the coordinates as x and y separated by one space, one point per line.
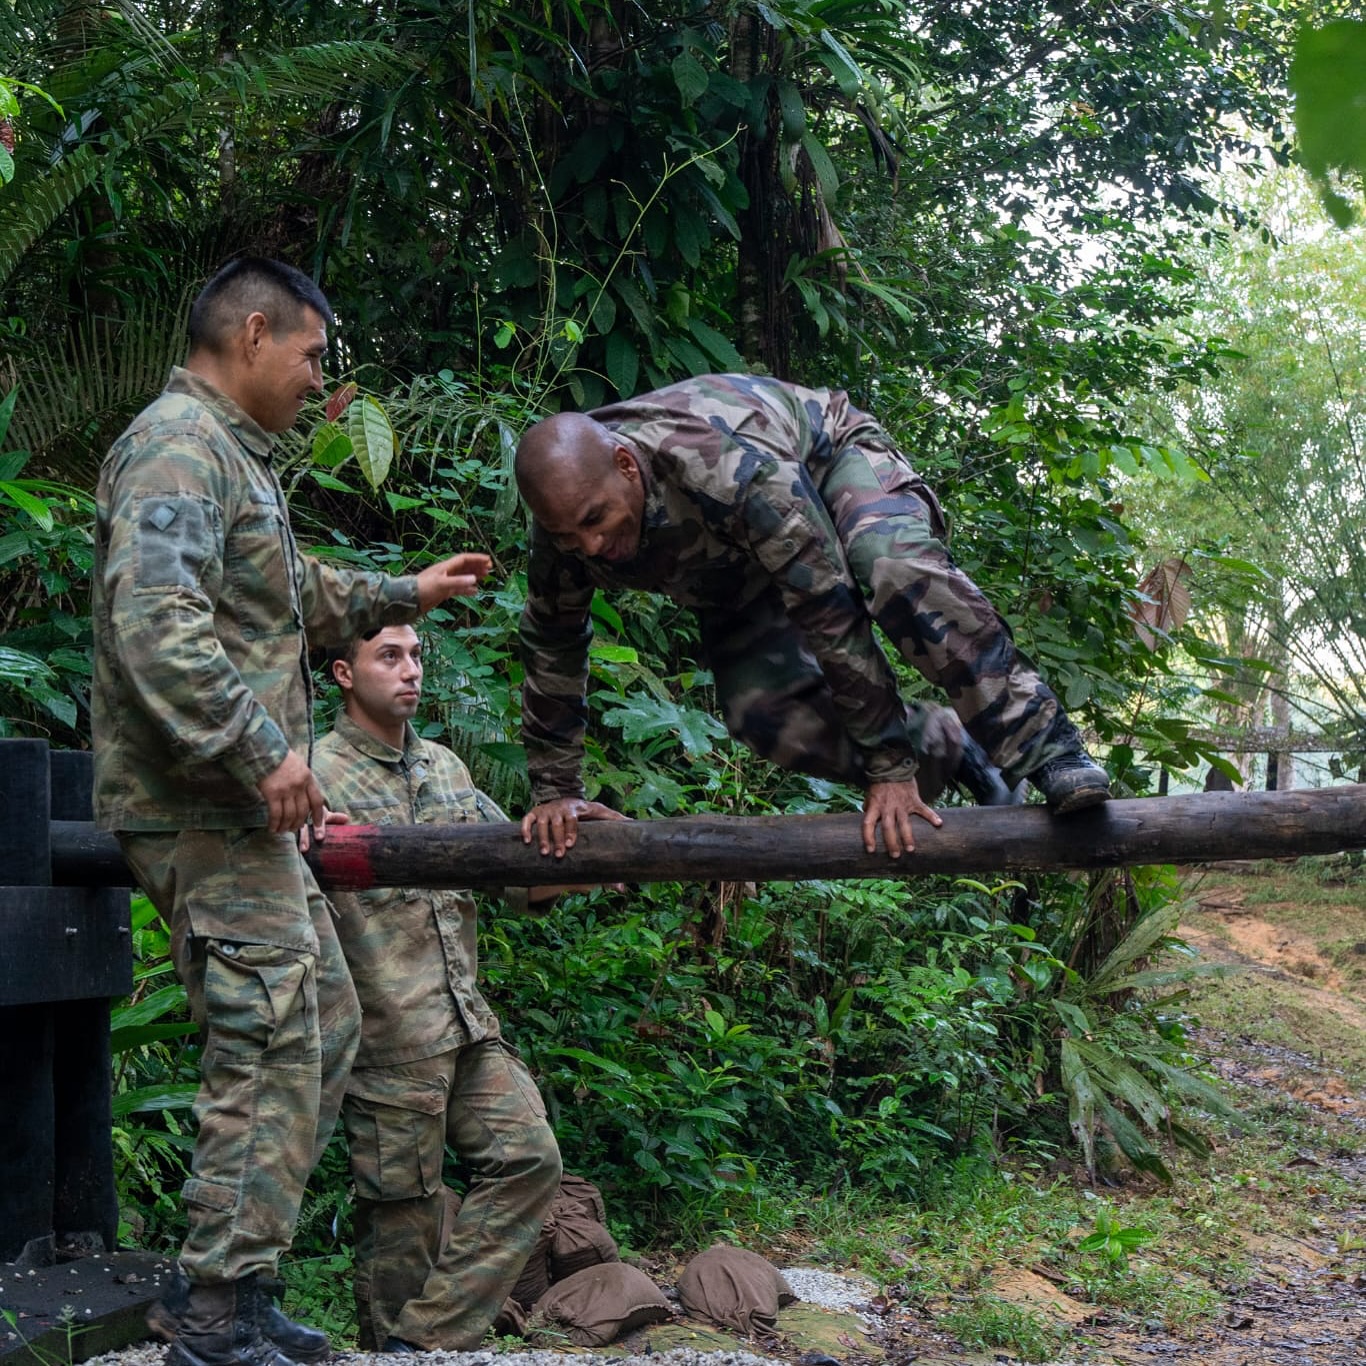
64 951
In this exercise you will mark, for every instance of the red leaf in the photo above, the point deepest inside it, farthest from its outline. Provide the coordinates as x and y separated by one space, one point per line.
340 401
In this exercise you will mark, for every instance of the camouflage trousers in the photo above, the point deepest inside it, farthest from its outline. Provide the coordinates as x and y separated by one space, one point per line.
774 697
252 940
427 1271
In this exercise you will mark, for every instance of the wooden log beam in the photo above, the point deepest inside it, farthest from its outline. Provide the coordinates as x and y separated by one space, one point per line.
1205 827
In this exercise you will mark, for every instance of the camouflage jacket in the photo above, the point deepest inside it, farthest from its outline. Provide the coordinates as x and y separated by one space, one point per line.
732 467
411 951
200 603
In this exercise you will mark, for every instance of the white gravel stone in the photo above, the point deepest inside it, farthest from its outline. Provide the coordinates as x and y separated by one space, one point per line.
829 1289
151 1354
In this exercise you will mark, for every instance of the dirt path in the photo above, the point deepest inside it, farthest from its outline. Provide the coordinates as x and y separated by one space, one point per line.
1287 1034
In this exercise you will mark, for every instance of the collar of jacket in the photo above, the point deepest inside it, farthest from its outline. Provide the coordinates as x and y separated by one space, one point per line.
653 514
253 436
373 747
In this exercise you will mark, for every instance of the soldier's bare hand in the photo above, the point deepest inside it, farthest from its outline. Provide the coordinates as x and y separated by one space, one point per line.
330 818
293 798
893 806
457 577
555 824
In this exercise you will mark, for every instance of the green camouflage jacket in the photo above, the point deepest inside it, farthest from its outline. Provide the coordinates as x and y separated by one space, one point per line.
412 951
732 467
200 603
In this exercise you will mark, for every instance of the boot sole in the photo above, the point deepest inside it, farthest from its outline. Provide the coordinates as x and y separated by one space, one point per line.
1080 800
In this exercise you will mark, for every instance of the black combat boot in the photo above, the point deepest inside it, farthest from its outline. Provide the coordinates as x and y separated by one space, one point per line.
981 779
221 1326
297 1341
1070 779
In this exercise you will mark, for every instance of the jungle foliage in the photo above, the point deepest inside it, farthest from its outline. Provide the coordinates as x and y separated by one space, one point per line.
980 217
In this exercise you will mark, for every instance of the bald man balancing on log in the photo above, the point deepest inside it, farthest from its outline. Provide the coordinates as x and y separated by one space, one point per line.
790 522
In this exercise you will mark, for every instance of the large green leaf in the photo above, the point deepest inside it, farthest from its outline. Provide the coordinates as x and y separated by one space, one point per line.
26 502
372 438
176 1096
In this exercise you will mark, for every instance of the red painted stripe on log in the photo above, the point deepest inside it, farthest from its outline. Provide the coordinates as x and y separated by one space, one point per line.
342 861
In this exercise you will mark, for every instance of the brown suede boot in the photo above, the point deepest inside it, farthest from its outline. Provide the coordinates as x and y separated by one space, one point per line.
297 1341
221 1326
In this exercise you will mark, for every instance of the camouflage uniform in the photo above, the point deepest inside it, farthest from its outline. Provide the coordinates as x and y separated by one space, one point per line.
432 1070
201 687
791 523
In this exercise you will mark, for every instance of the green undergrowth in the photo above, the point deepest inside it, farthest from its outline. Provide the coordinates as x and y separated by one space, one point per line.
969 1224
1175 1255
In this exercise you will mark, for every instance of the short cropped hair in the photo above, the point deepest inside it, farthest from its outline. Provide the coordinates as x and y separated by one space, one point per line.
349 651
253 284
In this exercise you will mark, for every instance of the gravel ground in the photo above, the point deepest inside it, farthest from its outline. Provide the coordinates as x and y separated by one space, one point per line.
151 1354
823 1288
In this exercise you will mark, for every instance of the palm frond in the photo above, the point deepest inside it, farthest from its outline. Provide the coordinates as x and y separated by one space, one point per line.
27 215
310 73
78 388
317 71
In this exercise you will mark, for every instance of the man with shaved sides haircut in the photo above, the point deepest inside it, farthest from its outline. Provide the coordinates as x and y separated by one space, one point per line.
790 523
202 718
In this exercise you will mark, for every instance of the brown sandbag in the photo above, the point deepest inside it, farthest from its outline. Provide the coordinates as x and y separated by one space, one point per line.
734 1288
581 1192
597 1305
572 1237
511 1320
579 1240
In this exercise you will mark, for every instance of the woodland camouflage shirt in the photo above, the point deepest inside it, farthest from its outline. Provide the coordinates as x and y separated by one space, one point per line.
732 467
412 951
200 603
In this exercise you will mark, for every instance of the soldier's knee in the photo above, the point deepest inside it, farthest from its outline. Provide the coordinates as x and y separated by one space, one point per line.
546 1162
536 1171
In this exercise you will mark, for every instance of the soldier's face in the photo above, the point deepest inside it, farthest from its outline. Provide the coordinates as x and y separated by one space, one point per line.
283 371
599 517
383 684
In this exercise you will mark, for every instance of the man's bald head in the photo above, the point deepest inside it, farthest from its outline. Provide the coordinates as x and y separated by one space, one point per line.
568 450
582 484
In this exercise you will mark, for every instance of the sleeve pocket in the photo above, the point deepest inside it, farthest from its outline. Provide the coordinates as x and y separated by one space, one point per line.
173 541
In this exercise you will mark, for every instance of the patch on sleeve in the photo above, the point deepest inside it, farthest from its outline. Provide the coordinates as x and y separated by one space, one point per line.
173 541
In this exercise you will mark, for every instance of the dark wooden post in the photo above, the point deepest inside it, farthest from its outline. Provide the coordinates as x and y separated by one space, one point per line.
64 951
